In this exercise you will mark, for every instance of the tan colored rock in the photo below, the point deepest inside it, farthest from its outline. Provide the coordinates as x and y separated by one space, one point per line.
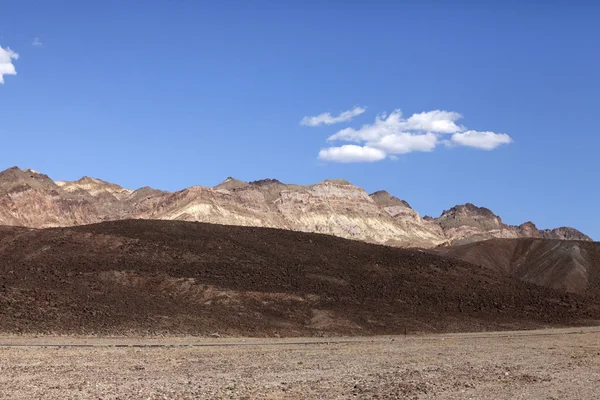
334 207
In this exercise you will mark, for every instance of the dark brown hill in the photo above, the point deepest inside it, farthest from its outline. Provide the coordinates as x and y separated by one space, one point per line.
176 277
568 265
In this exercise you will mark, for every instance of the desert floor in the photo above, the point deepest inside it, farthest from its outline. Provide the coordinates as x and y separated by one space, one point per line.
546 364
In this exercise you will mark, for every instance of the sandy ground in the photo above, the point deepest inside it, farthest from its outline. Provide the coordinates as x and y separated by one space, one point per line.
550 364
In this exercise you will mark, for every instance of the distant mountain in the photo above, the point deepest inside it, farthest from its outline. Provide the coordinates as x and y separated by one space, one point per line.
336 207
468 223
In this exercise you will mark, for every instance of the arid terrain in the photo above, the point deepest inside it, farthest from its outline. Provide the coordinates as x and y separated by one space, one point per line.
335 207
118 294
566 265
175 277
550 364
297 200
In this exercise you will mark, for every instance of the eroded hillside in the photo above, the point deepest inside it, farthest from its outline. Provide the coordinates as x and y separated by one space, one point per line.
176 277
335 207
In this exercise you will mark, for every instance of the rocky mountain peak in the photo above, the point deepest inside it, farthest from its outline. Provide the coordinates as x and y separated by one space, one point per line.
87 179
528 229
565 233
528 225
341 182
11 171
94 187
15 173
14 178
267 181
231 184
469 209
384 199
470 215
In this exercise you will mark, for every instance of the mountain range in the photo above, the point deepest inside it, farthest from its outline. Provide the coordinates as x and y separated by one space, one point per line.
336 207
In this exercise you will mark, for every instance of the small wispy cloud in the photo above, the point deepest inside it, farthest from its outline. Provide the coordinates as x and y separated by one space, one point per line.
393 134
328 119
481 140
37 42
7 56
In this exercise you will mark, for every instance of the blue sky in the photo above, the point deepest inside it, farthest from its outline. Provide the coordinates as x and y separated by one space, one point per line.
174 93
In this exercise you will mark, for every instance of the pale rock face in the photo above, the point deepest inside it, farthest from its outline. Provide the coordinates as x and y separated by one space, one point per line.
95 187
341 209
334 207
468 234
37 208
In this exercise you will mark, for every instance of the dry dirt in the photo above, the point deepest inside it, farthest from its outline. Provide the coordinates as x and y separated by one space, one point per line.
551 364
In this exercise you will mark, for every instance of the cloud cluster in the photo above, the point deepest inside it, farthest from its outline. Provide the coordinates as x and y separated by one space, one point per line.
393 134
6 62
328 119
37 42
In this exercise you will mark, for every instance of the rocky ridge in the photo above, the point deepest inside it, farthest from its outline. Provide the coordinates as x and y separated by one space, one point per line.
336 207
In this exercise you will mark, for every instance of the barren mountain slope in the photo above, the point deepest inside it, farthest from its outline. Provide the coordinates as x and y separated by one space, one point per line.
335 207
138 276
96 188
28 198
560 264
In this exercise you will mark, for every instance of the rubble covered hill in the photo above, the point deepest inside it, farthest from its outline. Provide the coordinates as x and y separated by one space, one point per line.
336 207
176 277
567 265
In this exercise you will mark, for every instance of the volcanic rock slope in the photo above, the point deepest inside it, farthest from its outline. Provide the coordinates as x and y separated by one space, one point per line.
566 265
335 207
176 277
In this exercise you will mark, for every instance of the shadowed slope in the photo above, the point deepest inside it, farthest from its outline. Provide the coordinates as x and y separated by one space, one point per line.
183 277
568 265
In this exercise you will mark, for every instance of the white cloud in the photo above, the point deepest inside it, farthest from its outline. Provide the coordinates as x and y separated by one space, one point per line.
481 140
401 143
383 126
393 134
37 42
6 62
349 153
328 119
435 121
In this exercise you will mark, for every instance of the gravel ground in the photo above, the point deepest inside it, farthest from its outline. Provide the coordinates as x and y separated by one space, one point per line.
557 364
